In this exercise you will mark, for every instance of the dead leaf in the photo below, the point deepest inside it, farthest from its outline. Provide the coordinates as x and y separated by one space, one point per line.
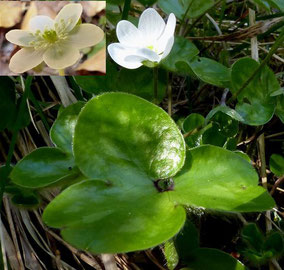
91 8
95 63
32 11
10 13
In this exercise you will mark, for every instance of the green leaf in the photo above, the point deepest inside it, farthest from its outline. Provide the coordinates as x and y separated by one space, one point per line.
214 137
179 7
7 102
276 164
193 121
182 51
210 71
62 131
226 110
44 167
139 82
253 237
218 179
99 84
255 103
186 241
216 259
226 125
274 243
280 108
106 219
171 254
125 139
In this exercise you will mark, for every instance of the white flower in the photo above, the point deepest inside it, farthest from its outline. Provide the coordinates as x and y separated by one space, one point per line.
56 42
148 44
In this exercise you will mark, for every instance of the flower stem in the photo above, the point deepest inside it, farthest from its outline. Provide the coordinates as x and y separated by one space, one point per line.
61 72
126 9
155 77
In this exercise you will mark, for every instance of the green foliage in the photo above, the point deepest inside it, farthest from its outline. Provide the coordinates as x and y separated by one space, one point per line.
138 82
276 164
259 249
185 8
231 180
125 153
43 167
255 103
194 257
62 131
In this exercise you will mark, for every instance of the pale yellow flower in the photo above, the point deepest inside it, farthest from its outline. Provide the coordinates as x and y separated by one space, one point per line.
56 42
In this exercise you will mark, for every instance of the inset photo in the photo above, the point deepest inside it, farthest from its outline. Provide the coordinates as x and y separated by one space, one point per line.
52 38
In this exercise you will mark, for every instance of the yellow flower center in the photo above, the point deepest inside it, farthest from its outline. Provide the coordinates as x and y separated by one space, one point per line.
151 47
50 36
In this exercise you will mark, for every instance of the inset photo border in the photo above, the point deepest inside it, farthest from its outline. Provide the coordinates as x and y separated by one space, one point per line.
52 38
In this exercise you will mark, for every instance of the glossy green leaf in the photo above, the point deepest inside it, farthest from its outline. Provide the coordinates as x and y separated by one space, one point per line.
218 179
43 167
276 164
216 259
7 102
255 103
100 218
62 131
226 110
123 138
213 136
182 51
179 7
210 71
226 125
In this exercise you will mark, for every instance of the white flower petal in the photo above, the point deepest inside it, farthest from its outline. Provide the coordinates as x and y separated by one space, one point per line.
119 52
85 35
61 56
128 34
41 23
167 34
151 24
148 54
70 14
20 37
168 48
25 59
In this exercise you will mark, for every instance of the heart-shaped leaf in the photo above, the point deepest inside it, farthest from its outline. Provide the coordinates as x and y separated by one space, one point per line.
123 138
256 105
43 167
219 179
210 71
62 131
108 219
